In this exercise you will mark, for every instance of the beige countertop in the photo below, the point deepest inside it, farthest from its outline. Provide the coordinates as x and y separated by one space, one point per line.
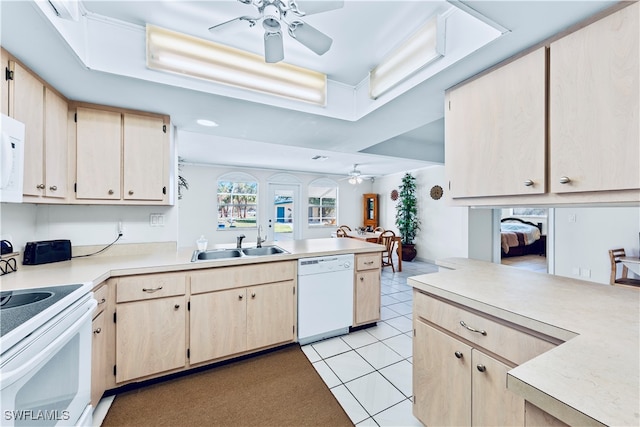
98 268
593 378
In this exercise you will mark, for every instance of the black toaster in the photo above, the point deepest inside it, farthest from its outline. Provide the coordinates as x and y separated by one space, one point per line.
46 251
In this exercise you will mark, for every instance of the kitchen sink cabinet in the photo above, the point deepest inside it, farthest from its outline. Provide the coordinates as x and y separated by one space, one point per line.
151 319
121 157
463 357
548 123
366 289
234 318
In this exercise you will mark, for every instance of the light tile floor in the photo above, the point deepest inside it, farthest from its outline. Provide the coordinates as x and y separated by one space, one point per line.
369 371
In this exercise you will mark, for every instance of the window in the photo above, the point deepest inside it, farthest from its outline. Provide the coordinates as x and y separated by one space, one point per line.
529 212
237 201
323 203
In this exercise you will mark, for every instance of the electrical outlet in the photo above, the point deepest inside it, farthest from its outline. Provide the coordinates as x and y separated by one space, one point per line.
572 217
156 220
120 228
585 272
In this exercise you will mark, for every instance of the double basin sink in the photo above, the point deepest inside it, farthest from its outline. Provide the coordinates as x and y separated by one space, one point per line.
213 254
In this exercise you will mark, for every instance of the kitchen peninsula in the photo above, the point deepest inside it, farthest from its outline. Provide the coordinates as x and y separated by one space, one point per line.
574 355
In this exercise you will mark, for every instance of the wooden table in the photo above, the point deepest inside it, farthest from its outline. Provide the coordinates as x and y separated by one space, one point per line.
372 237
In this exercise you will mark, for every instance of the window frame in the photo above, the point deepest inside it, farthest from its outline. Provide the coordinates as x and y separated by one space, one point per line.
330 186
223 223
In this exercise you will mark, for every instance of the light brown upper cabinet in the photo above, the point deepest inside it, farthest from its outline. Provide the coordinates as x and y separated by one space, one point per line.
557 125
495 131
26 104
594 120
121 156
55 168
4 82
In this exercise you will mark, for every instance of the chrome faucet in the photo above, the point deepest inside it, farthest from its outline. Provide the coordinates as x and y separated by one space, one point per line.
260 240
239 241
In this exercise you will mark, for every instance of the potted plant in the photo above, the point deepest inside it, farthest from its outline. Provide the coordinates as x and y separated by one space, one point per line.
407 216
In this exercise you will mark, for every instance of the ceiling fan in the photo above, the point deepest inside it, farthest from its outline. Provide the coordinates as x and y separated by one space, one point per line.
356 177
276 14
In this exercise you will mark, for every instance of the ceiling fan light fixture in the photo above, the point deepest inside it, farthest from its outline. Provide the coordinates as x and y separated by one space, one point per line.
355 180
310 37
421 49
178 53
271 21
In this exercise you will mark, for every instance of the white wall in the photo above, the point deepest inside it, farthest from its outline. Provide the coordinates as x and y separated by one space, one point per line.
198 212
85 224
444 230
584 244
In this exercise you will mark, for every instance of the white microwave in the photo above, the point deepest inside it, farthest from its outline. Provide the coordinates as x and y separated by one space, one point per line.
11 160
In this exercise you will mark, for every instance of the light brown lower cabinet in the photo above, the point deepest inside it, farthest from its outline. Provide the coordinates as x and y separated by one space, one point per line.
233 321
366 289
460 365
98 358
150 337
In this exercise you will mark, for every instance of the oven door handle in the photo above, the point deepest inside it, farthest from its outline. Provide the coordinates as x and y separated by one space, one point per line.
8 378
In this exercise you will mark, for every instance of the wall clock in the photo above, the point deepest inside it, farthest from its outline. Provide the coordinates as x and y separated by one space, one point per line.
436 192
394 195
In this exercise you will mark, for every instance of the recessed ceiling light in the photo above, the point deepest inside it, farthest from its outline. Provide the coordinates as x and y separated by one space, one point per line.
319 158
205 122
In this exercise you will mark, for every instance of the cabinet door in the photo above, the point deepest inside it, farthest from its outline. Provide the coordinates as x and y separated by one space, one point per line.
98 154
441 378
145 153
493 404
370 210
367 297
218 325
495 131
150 337
270 314
594 134
4 88
26 104
98 358
55 144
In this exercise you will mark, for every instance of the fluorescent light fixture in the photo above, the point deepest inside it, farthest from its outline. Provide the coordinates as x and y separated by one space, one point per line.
187 55
208 123
422 48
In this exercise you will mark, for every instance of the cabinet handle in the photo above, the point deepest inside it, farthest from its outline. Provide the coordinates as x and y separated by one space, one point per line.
97 331
458 354
528 183
110 191
361 279
102 301
565 180
368 262
151 290
240 297
131 192
53 188
177 306
253 295
481 368
40 186
469 328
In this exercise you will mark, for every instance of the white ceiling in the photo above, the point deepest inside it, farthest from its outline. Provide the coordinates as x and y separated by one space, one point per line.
101 60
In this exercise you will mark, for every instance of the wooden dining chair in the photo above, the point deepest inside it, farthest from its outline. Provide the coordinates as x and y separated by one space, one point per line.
388 239
614 257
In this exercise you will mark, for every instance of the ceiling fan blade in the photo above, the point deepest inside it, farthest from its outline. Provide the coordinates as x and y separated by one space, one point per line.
273 47
234 25
312 7
315 40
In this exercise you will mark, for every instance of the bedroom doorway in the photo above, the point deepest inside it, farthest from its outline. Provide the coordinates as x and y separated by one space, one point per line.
524 238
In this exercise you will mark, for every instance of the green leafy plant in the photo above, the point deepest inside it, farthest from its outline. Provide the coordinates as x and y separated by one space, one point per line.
407 210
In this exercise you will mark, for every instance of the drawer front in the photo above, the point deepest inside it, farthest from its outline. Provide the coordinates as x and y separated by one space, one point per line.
512 344
101 295
150 286
215 279
368 262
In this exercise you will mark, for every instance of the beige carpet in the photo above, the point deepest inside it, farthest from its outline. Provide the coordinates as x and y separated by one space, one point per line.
279 388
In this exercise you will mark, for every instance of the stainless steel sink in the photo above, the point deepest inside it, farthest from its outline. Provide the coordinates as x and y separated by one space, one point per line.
214 254
265 250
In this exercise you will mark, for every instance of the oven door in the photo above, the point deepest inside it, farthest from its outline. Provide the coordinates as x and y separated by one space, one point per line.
46 378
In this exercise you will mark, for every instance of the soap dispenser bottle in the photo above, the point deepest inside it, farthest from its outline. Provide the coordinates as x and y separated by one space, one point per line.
202 243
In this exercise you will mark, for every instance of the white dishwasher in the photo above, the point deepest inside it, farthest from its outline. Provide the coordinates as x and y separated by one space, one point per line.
325 297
